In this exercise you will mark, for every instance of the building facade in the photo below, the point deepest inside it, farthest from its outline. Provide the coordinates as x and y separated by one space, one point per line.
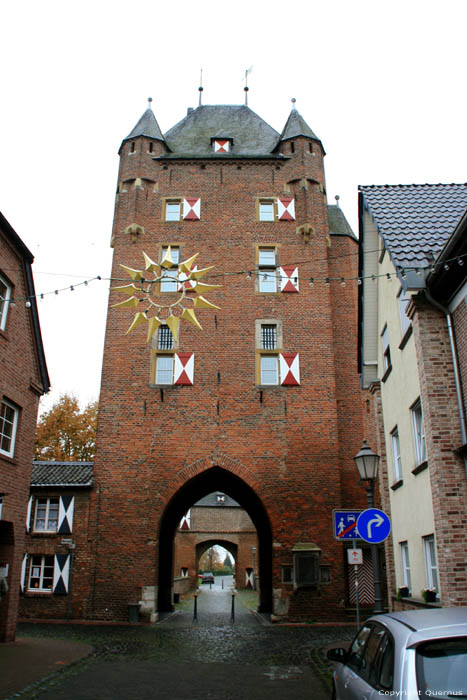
23 379
412 355
263 404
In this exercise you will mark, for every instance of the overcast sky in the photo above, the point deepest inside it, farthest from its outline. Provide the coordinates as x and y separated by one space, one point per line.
382 84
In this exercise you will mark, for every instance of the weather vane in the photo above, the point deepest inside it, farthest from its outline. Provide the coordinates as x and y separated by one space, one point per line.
143 293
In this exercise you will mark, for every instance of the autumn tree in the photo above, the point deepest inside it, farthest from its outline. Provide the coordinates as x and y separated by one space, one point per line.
65 433
210 560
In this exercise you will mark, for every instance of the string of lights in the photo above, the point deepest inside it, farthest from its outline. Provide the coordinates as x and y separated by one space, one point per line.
267 275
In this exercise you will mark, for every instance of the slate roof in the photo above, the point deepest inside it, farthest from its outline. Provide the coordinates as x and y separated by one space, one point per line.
415 221
146 126
251 135
338 224
211 500
62 474
296 126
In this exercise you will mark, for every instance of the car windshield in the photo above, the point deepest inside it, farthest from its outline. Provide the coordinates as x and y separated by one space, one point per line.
442 668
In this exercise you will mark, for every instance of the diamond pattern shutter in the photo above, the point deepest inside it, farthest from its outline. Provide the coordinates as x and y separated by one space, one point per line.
184 367
221 146
192 209
23 572
186 521
61 574
188 285
286 208
289 278
65 515
289 369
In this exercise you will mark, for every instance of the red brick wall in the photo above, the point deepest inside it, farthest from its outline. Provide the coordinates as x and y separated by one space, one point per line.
20 383
290 445
460 328
443 437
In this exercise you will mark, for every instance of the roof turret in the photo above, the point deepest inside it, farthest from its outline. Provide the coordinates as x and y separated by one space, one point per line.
297 126
146 126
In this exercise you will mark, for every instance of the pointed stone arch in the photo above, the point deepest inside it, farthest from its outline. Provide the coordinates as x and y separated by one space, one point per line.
193 483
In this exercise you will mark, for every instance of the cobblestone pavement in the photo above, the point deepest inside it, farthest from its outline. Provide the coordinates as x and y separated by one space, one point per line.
179 659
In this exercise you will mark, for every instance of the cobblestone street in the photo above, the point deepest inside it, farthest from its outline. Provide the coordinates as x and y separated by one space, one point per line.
179 659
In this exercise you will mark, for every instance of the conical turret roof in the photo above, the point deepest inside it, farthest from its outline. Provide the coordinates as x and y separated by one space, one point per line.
146 126
297 126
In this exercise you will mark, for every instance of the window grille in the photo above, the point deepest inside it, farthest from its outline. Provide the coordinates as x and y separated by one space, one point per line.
269 337
166 340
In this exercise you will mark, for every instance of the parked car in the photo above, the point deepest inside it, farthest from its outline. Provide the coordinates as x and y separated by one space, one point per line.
207 577
408 654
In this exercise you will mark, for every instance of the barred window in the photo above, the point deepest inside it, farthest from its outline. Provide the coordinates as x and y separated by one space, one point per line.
166 339
269 337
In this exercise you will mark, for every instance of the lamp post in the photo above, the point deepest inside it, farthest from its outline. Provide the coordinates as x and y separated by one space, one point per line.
367 464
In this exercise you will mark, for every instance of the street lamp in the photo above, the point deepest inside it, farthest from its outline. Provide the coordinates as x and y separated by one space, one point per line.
367 464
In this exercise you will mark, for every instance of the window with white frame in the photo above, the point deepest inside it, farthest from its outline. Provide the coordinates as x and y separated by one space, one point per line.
404 301
46 516
267 270
396 455
41 573
266 210
269 369
5 296
386 349
169 281
405 565
8 427
419 432
173 209
164 369
431 563
165 339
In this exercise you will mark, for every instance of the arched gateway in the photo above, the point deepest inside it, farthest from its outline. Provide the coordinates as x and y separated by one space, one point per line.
206 482
264 402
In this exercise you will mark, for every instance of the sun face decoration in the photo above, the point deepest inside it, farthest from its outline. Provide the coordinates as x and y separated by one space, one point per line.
146 283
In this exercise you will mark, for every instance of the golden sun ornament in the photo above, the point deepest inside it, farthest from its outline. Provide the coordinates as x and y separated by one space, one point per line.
145 291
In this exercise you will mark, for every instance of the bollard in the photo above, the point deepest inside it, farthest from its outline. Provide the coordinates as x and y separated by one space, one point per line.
222 584
195 608
232 616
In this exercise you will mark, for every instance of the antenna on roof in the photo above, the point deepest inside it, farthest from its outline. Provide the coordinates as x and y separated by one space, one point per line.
200 86
293 101
149 102
246 88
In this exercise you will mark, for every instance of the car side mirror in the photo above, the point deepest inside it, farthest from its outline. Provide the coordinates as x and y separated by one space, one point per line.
338 654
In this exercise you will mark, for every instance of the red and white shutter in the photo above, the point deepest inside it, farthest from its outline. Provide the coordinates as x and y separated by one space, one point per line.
286 208
185 522
187 285
184 365
221 146
192 209
289 278
289 369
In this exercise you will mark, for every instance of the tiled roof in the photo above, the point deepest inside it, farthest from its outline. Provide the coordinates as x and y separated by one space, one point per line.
251 135
415 221
62 474
296 126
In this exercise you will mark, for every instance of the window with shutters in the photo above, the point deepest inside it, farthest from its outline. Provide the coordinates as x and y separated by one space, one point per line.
46 515
172 209
181 209
266 210
280 208
267 270
41 572
175 368
274 367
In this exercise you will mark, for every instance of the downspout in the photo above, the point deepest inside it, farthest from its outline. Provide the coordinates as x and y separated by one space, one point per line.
455 364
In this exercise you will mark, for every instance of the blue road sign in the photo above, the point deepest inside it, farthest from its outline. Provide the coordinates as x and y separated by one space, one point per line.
345 524
373 525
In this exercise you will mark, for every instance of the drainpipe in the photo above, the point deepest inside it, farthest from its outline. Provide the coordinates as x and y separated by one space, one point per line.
455 364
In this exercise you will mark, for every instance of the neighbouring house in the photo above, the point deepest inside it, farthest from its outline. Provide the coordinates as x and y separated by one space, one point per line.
413 362
56 558
23 380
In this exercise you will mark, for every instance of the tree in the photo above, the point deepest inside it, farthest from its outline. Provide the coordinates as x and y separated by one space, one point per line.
210 560
228 562
65 433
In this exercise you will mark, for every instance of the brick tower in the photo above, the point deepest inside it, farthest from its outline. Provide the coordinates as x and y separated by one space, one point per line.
264 403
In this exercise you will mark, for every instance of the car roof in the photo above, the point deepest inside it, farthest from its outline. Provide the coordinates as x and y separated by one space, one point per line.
429 623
